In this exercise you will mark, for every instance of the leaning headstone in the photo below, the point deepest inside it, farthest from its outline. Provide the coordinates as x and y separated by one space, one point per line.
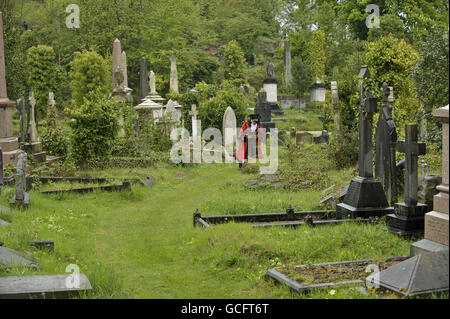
385 141
436 221
409 216
229 132
21 198
8 142
45 287
365 197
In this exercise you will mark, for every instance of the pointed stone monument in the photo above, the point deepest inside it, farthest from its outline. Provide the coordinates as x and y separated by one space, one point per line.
229 132
8 142
409 216
119 92
143 79
173 75
365 197
386 141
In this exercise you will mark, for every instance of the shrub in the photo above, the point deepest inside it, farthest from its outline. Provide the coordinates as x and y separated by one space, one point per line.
94 127
54 141
343 150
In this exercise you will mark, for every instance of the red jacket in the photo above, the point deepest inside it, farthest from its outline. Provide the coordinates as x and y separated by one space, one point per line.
243 136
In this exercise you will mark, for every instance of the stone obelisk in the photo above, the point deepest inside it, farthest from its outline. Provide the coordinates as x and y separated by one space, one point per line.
8 143
144 79
173 75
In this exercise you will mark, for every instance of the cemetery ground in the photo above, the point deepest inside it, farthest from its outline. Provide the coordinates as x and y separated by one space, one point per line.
142 244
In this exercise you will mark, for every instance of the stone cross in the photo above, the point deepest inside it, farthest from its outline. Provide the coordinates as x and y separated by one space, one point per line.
367 106
194 114
336 109
152 83
32 130
21 179
173 75
144 78
287 62
386 142
412 150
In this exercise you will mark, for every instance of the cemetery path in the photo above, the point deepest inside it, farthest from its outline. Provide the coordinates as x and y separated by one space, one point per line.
148 244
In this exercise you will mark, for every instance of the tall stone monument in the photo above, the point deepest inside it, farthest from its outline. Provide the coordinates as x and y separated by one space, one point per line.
33 145
436 221
408 219
173 75
270 85
336 108
143 79
385 141
287 63
365 196
8 142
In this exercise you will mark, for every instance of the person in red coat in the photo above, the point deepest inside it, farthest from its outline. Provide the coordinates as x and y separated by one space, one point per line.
251 131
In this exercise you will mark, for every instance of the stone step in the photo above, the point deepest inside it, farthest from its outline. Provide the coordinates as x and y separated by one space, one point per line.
46 287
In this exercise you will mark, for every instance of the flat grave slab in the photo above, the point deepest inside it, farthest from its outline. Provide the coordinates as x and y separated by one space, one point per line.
108 188
304 278
9 258
3 223
47 287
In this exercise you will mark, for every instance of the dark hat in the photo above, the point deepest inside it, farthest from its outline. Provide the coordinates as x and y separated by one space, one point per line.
254 117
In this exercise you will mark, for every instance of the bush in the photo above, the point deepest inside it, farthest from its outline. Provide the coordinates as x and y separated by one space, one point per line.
343 150
94 127
54 141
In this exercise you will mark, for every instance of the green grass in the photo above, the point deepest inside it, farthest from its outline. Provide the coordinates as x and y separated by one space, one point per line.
306 120
143 245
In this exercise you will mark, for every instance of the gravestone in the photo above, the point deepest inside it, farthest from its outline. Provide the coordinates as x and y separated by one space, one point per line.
385 141
153 95
287 63
270 86
173 75
21 198
336 108
365 196
318 91
143 79
21 110
34 146
8 142
409 216
151 108
123 63
436 221
229 132
324 138
10 258
118 74
264 109
193 112
304 137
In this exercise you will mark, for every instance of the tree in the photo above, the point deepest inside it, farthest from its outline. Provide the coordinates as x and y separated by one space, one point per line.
42 75
317 57
235 64
89 73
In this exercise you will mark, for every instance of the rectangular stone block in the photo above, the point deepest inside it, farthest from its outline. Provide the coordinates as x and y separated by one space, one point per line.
33 148
426 246
440 202
436 227
6 129
9 144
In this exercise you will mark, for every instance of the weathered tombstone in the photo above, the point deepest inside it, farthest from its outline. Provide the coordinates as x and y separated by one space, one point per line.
270 86
408 219
264 109
436 221
336 109
324 138
173 74
229 132
287 62
21 198
144 79
8 142
153 95
34 146
365 196
318 91
385 141
118 74
427 189
304 137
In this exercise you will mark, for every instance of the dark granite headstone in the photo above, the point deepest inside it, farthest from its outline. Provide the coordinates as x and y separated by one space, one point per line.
144 78
410 215
324 138
386 141
420 275
365 197
264 110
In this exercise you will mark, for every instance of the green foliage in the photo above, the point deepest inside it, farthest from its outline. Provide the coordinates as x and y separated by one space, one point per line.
94 127
42 75
343 150
212 111
89 73
391 60
186 100
317 57
235 64
54 141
